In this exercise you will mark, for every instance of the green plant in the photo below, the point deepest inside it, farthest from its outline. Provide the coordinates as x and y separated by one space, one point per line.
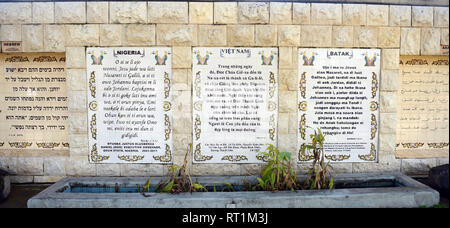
278 173
317 174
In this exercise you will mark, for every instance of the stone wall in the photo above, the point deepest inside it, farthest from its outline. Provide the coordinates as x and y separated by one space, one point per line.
70 27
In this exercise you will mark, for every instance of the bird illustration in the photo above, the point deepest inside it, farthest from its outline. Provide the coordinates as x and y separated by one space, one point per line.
202 60
308 61
161 60
266 60
369 61
97 60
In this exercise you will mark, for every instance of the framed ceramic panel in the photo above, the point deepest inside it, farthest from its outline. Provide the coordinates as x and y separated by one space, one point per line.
235 103
129 102
339 93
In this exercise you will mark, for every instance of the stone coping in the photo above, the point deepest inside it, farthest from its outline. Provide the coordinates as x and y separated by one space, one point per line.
411 194
386 2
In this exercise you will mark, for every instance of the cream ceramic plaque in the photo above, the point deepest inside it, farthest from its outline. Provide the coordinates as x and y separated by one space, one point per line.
422 123
33 105
338 93
129 100
235 103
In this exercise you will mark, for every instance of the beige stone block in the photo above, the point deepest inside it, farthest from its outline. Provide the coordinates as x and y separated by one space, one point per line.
215 169
15 13
377 15
9 164
11 33
168 12
287 80
441 17
387 143
430 41
240 35
389 37
97 12
180 79
288 143
301 13
54 166
390 59
285 59
77 101
365 36
417 166
212 35
80 166
30 166
293 125
251 169
176 35
336 167
283 123
54 38
43 12
288 35
181 57
326 14
182 103
386 163
82 35
33 38
225 13
181 144
127 12
70 12
399 15
201 12
79 151
253 12
110 35
354 14
107 170
281 13
316 36
422 16
47 179
410 41
388 123
141 170
182 123
137 34
76 80
266 35
389 80
78 140
75 57
78 123
388 102
342 36
444 37
287 101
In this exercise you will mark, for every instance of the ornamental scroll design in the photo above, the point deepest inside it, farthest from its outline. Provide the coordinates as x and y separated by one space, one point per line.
167 157
49 145
372 156
93 126
92 86
340 157
374 85
95 157
234 158
437 145
166 85
197 124
272 85
198 154
302 127
197 85
304 155
302 85
20 145
412 145
303 106
130 158
373 128
1 144
65 144
168 127
272 130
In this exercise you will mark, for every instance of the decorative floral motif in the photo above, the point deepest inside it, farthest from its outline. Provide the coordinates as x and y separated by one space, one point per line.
95 157
272 85
271 106
198 106
437 145
93 106
440 62
235 158
198 156
302 106
303 85
167 157
1 144
263 158
65 144
302 126
42 59
374 85
197 124
197 85
92 84
93 126
303 155
168 127
340 157
416 62
47 145
129 158
166 106
372 156
20 145
166 85
272 130
373 106
412 145
373 129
